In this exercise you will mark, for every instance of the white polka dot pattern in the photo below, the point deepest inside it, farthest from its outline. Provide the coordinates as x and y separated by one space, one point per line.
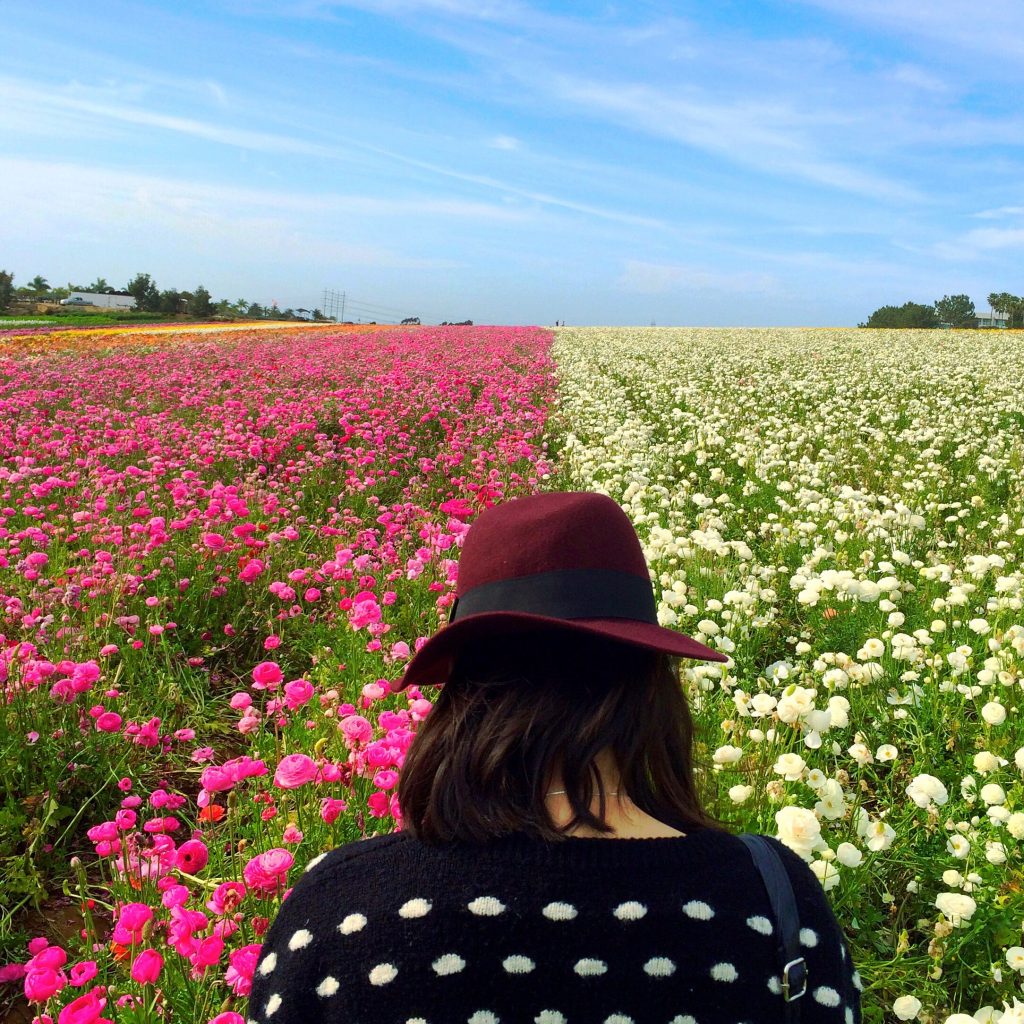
559 911
382 974
415 908
848 1015
631 911
826 995
857 983
589 967
683 1018
808 937
518 964
549 1017
484 1017
300 940
313 863
416 1020
724 972
328 987
618 1018
450 963
761 924
698 910
775 985
273 1005
267 964
659 967
352 923
486 906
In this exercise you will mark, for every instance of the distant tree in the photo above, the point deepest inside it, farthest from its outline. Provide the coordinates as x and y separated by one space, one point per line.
39 284
955 310
255 310
100 287
147 295
170 301
1012 306
910 314
318 316
6 288
200 304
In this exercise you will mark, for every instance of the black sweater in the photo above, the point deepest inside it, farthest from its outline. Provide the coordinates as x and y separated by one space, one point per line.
390 930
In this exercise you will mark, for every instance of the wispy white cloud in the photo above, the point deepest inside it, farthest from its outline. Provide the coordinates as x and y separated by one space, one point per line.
995 27
506 142
267 142
1001 212
662 278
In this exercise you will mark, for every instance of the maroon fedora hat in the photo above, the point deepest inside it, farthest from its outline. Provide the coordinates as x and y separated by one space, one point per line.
568 561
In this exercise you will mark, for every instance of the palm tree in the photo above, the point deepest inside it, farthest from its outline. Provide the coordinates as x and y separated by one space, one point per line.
99 286
39 284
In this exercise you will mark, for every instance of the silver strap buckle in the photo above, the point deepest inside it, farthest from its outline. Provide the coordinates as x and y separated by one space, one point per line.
786 983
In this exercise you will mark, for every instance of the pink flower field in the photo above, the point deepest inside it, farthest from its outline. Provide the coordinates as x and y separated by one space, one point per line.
217 552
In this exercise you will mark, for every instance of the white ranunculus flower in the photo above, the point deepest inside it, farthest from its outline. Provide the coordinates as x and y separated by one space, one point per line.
995 852
993 793
1012 1014
906 1007
886 752
816 778
952 877
763 703
955 907
985 761
958 846
1015 824
840 707
1015 958
860 753
790 766
994 713
1018 759
926 789
799 829
979 626
727 755
740 794
826 873
848 855
832 802
873 647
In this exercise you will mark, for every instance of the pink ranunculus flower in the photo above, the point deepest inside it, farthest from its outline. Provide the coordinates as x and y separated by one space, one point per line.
267 674
295 770
42 983
192 856
130 923
385 779
330 808
86 1009
297 692
83 973
214 541
109 721
356 728
251 571
242 964
227 1017
226 898
147 966
267 872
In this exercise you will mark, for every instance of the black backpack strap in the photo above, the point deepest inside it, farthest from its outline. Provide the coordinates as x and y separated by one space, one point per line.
793 967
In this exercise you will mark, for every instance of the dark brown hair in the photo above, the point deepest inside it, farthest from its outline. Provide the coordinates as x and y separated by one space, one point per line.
516 709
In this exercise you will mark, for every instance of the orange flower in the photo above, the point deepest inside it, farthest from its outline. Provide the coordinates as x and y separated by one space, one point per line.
830 613
120 951
212 812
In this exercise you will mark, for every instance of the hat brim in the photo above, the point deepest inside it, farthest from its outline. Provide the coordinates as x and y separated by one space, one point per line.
432 663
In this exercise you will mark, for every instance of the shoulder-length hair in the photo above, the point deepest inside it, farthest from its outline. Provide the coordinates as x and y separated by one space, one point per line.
516 709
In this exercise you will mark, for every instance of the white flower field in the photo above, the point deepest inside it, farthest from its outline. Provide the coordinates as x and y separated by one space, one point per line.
841 512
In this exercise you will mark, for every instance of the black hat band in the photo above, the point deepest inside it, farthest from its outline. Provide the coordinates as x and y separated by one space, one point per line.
564 594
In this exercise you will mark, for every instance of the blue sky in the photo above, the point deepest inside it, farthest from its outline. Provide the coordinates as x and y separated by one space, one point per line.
785 162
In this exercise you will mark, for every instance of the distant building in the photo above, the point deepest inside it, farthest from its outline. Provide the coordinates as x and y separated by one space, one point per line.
995 319
119 300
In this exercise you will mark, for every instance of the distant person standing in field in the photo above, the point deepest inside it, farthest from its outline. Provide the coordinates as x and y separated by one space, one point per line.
505 899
